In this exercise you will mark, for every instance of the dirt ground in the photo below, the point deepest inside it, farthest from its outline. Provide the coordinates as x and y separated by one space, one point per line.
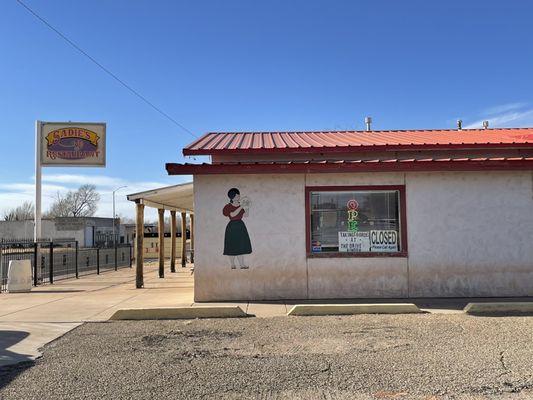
429 357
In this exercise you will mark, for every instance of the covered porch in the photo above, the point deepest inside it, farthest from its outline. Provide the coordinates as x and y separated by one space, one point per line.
174 199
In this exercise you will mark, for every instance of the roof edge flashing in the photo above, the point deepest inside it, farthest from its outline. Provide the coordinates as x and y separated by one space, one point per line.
358 148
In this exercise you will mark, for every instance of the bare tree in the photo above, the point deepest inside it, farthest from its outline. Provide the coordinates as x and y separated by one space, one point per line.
80 203
23 212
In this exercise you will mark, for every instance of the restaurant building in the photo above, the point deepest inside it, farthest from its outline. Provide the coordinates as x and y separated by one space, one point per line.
362 214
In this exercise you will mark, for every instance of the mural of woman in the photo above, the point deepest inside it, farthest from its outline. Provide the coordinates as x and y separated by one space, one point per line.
236 239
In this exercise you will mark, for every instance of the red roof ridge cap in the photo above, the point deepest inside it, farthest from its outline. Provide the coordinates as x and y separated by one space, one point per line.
372 131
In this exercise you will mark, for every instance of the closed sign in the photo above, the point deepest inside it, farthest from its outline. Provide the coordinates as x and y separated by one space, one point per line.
384 241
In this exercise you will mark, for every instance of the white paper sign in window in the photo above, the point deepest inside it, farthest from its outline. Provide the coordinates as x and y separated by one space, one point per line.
354 242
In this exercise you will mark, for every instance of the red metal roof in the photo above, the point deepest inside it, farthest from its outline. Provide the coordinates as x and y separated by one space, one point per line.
313 142
371 165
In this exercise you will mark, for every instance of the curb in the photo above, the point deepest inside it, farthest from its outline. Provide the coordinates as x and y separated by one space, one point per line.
178 313
351 309
499 308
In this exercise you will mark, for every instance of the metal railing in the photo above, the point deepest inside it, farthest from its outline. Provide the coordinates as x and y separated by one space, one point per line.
58 259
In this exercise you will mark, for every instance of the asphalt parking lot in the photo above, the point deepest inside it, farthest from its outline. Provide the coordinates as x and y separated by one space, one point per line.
428 356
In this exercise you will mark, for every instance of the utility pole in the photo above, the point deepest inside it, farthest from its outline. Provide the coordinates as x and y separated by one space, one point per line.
37 223
114 236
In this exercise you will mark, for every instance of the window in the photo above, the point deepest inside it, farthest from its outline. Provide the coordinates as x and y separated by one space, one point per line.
356 221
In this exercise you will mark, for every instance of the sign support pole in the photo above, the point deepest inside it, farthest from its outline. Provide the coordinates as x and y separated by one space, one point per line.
89 138
37 227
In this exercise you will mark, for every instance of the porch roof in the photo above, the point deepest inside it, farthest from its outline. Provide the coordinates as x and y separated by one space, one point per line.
174 198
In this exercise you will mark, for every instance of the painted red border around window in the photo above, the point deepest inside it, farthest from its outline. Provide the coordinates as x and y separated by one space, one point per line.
403 221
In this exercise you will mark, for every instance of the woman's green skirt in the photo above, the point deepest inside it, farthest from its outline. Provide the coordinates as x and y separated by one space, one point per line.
236 239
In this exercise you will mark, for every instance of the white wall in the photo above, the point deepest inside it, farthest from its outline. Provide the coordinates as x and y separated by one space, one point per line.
469 234
277 263
24 230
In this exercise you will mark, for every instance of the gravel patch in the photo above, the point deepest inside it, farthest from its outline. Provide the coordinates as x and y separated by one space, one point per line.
429 357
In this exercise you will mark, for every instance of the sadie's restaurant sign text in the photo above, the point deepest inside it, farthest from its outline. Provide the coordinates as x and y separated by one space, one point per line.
74 143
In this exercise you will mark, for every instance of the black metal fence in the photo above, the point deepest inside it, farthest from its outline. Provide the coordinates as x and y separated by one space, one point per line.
58 259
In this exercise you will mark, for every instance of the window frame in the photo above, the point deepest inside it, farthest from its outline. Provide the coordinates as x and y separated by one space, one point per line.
338 254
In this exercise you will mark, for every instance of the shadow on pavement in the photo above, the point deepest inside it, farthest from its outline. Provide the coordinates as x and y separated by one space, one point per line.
501 314
11 363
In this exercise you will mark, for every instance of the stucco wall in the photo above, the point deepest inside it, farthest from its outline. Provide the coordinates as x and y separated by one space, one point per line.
469 234
277 263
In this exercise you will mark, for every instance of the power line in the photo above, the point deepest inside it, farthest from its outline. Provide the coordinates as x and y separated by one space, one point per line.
107 71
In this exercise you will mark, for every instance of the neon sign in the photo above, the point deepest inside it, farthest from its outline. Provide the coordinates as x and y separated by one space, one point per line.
353 223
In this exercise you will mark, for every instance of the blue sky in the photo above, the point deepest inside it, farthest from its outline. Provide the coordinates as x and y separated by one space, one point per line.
249 65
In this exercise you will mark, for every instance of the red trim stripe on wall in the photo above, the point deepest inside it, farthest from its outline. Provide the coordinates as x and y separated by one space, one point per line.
388 165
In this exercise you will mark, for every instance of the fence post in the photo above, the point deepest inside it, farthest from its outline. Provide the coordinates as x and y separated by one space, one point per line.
35 282
1 268
76 264
116 264
51 263
97 261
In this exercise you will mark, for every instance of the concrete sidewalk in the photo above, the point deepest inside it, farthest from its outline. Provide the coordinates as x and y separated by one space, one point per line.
30 320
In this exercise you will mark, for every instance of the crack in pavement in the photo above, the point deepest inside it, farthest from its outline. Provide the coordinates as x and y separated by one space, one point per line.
502 360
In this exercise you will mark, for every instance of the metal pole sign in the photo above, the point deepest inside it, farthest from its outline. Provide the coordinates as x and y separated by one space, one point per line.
66 144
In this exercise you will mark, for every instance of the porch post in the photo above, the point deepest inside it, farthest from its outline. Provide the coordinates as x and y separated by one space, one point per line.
139 243
183 239
191 228
161 240
173 241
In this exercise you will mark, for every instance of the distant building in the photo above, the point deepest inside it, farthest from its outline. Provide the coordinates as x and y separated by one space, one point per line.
150 231
88 231
129 231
